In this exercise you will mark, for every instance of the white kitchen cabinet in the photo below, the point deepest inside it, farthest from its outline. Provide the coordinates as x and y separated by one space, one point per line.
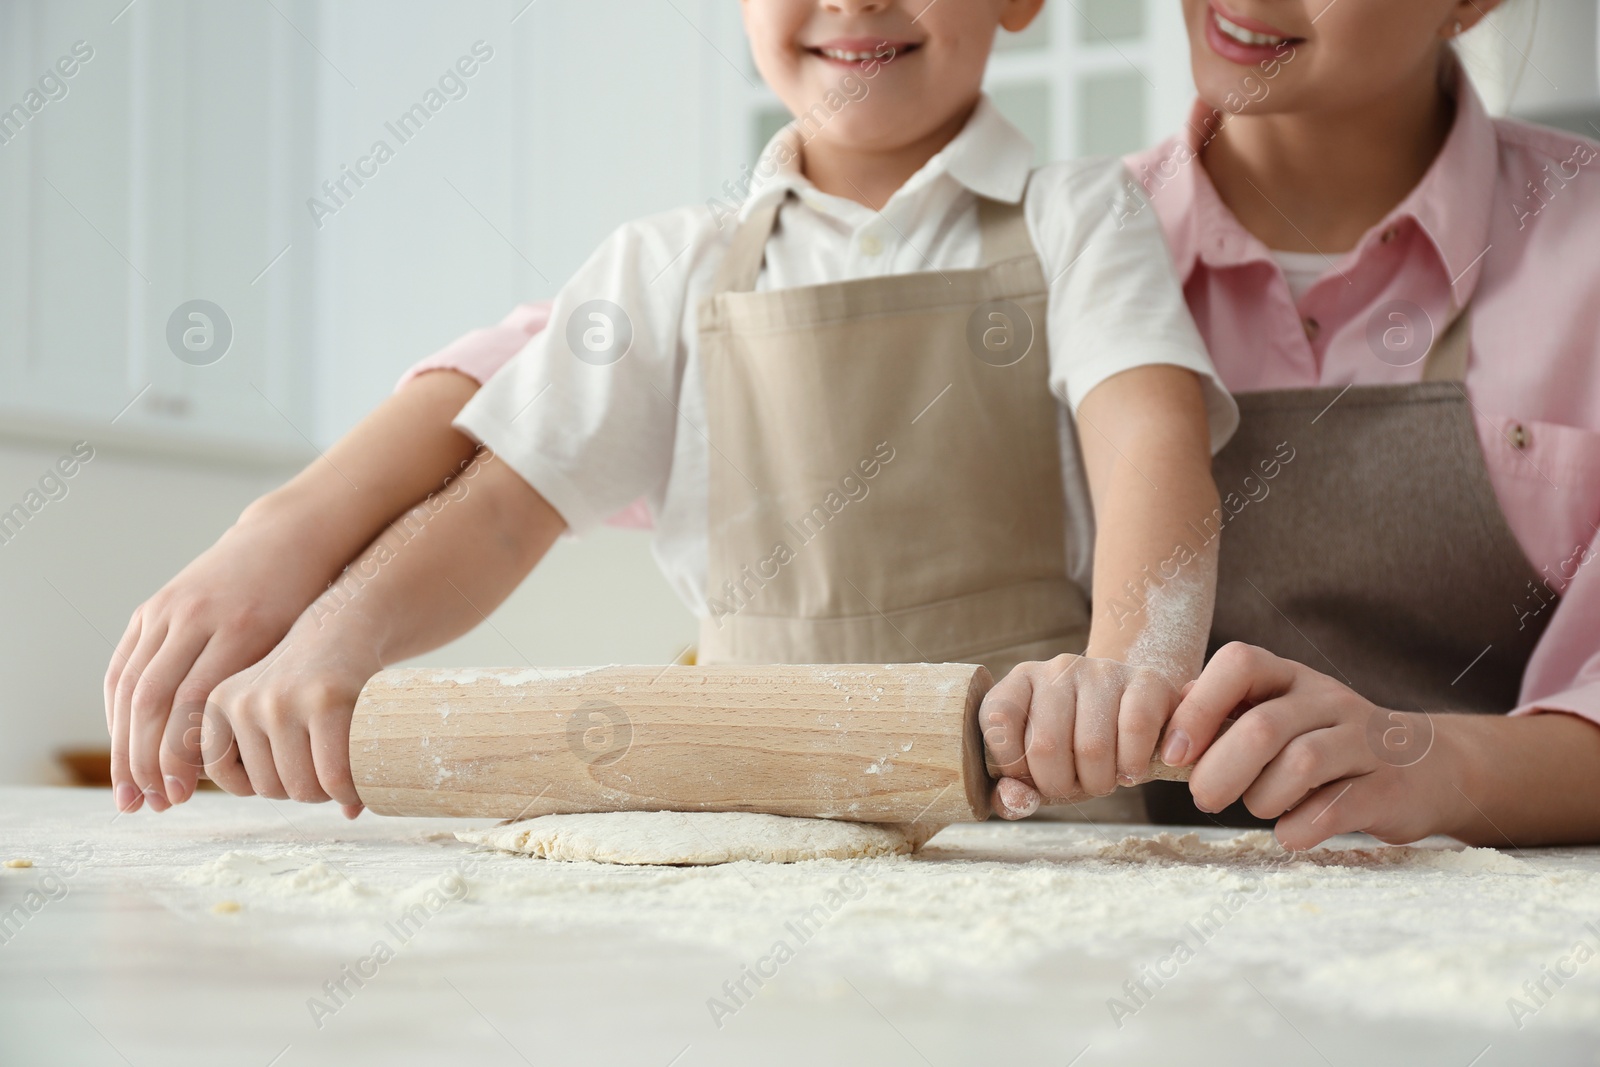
159 176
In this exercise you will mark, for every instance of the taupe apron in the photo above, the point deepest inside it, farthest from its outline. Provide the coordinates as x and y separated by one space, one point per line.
878 492
1378 554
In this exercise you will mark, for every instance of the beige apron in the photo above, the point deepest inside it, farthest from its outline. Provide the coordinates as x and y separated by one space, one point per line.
1378 555
878 492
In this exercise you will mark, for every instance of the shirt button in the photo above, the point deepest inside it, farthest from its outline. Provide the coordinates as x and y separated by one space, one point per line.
1388 235
1312 327
1520 437
870 245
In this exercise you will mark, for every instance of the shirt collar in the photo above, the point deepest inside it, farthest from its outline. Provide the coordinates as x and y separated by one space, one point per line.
1453 201
1451 204
990 157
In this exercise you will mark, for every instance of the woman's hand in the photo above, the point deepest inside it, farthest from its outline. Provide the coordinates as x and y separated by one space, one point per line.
1310 752
1072 727
222 612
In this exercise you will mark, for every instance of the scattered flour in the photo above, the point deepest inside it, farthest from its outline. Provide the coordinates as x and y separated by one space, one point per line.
1436 933
291 876
1260 847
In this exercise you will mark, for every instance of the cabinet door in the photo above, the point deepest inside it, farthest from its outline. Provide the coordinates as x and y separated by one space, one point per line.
154 175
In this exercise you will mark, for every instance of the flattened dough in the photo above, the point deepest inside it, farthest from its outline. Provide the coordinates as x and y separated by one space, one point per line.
699 838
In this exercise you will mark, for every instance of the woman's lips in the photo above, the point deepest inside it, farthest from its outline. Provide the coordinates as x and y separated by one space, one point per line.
1242 40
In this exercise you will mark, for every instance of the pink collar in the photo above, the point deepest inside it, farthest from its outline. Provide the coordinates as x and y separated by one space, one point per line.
1450 205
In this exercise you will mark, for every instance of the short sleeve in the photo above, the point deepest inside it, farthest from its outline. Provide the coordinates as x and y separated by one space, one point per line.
1115 299
586 412
482 352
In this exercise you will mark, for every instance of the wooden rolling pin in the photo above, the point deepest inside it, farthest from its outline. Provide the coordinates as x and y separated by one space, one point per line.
892 743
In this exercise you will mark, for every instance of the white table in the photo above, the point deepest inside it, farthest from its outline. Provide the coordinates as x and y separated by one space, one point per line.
126 962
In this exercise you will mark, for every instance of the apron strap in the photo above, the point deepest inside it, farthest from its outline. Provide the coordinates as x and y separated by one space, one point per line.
1004 228
741 266
1447 359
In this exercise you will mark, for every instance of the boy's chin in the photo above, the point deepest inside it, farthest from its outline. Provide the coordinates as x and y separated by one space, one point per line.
877 133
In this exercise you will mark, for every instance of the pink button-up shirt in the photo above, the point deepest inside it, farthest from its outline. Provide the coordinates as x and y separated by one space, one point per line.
1508 218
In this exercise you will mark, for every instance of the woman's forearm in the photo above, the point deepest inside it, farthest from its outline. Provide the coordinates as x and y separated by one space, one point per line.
392 459
1528 780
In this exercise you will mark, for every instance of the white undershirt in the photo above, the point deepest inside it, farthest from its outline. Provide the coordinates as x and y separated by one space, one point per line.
593 439
1302 270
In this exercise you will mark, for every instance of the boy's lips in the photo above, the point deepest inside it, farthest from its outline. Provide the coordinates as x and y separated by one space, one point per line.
854 51
1243 40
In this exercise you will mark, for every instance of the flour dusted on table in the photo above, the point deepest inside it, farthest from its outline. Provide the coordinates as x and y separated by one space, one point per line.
1426 932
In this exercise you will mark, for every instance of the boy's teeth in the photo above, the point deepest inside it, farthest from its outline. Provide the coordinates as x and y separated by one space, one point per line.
848 57
1244 36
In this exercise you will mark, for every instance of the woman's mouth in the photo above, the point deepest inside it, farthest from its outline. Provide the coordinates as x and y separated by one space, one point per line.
1243 40
855 52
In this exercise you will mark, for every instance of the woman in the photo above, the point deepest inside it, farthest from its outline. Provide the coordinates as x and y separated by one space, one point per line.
1401 292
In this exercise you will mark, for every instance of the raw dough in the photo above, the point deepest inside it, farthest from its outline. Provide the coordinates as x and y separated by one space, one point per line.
693 839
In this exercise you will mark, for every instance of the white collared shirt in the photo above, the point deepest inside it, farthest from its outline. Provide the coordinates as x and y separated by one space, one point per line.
592 437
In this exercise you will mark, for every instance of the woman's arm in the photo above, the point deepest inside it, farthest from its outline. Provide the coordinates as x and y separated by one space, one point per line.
236 601
1322 760
1529 780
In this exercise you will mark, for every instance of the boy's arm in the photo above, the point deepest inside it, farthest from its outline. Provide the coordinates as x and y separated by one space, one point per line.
231 605
1146 449
281 728
1126 355
1084 724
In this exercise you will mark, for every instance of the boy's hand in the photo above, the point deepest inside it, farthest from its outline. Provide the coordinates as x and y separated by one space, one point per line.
1311 750
281 729
221 613
1070 727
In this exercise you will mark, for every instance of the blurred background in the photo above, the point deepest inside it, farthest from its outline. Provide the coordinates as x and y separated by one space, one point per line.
183 159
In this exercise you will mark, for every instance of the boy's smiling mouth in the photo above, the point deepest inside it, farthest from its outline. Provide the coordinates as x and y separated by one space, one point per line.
854 51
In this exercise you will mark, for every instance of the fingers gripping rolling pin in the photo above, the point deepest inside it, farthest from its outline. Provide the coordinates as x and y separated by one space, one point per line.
895 743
